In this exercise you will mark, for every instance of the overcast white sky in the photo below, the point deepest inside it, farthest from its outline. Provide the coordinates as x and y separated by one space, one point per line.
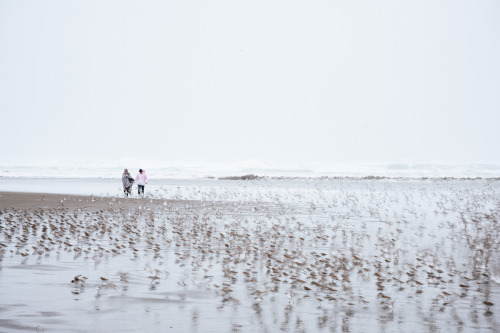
256 80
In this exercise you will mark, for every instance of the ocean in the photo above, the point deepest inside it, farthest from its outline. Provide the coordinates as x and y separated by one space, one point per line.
176 180
178 170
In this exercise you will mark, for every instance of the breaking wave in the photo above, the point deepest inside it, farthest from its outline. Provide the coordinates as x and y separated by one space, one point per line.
250 171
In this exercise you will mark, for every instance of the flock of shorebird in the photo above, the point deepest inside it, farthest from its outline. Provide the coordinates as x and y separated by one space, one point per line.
352 249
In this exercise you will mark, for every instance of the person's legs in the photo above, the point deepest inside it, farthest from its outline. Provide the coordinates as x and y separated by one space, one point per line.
140 189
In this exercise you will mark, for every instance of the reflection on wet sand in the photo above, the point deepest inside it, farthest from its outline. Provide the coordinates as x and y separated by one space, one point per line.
383 256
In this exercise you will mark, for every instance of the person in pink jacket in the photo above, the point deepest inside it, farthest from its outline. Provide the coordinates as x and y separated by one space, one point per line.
142 180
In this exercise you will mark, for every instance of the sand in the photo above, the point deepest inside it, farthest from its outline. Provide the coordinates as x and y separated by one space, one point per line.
22 200
343 256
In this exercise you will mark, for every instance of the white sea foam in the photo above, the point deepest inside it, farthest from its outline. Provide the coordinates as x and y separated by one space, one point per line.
179 170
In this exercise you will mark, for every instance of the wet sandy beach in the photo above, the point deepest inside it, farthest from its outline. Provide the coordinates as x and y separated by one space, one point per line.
292 256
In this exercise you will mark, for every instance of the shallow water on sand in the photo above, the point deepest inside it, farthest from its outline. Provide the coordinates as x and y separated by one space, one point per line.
311 256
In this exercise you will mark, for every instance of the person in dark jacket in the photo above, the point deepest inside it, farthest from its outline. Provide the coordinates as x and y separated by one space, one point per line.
127 181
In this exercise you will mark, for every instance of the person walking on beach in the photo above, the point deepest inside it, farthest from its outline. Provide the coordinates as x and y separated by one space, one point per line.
141 180
127 181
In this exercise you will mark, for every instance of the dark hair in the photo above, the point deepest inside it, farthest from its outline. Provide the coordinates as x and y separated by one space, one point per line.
140 170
